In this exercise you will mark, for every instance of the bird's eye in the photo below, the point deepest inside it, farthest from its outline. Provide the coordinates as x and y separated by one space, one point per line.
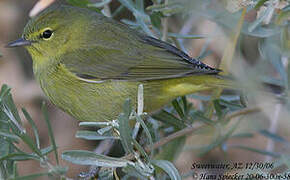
47 34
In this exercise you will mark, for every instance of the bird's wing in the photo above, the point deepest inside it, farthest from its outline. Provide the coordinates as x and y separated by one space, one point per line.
120 53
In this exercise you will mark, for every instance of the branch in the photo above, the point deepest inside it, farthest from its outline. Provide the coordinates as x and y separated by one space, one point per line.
190 130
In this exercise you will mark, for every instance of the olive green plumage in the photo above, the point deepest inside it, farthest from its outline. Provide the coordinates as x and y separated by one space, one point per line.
88 64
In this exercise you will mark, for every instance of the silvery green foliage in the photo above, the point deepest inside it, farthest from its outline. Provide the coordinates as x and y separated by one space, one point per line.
145 159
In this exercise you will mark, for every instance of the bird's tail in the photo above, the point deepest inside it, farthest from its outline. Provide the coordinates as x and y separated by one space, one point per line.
193 84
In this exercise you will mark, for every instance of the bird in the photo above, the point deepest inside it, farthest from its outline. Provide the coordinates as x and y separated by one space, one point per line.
88 64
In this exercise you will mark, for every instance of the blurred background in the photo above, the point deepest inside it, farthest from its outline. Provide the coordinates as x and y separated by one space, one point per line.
252 62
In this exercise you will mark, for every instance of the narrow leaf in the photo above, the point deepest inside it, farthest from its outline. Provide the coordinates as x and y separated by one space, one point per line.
169 119
31 176
125 133
99 4
187 36
147 132
90 158
34 128
8 135
260 3
94 124
50 132
260 151
140 149
168 167
92 135
5 90
19 157
82 3
31 144
46 150
273 136
178 108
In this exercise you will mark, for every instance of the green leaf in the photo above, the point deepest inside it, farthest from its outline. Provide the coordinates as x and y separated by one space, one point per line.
136 12
94 124
168 167
187 36
140 5
204 51
270 50
283 17
147 132
30 143
118 11
34 128
99 4
243 135
259 151
82 3
144 26
218 108
5 90
156 19
106 174
167 9
90 158
124 128
133 175
227 19
136 171
252 26
169 119
125 133
11 111
128 4
46 150
9 136
178 108
92 135
127 108
186 105
19 157
198 115
273 136
30 177
50 132
5 147
232 106
260 3
141 150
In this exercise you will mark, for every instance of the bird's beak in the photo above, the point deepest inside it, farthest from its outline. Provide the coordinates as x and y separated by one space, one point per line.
19 42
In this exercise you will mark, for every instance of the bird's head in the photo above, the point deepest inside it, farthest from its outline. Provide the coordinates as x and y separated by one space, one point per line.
54 31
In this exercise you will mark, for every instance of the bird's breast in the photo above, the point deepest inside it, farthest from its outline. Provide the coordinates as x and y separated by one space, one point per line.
84 100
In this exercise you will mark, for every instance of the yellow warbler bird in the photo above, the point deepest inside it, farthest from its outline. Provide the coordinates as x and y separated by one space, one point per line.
88 64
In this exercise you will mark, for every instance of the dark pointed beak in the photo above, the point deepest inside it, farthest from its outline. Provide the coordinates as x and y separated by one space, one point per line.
18 43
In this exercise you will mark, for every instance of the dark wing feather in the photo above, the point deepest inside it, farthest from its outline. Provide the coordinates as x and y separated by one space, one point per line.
121 53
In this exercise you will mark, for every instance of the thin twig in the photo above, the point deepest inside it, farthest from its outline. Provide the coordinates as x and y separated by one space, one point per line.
242 112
